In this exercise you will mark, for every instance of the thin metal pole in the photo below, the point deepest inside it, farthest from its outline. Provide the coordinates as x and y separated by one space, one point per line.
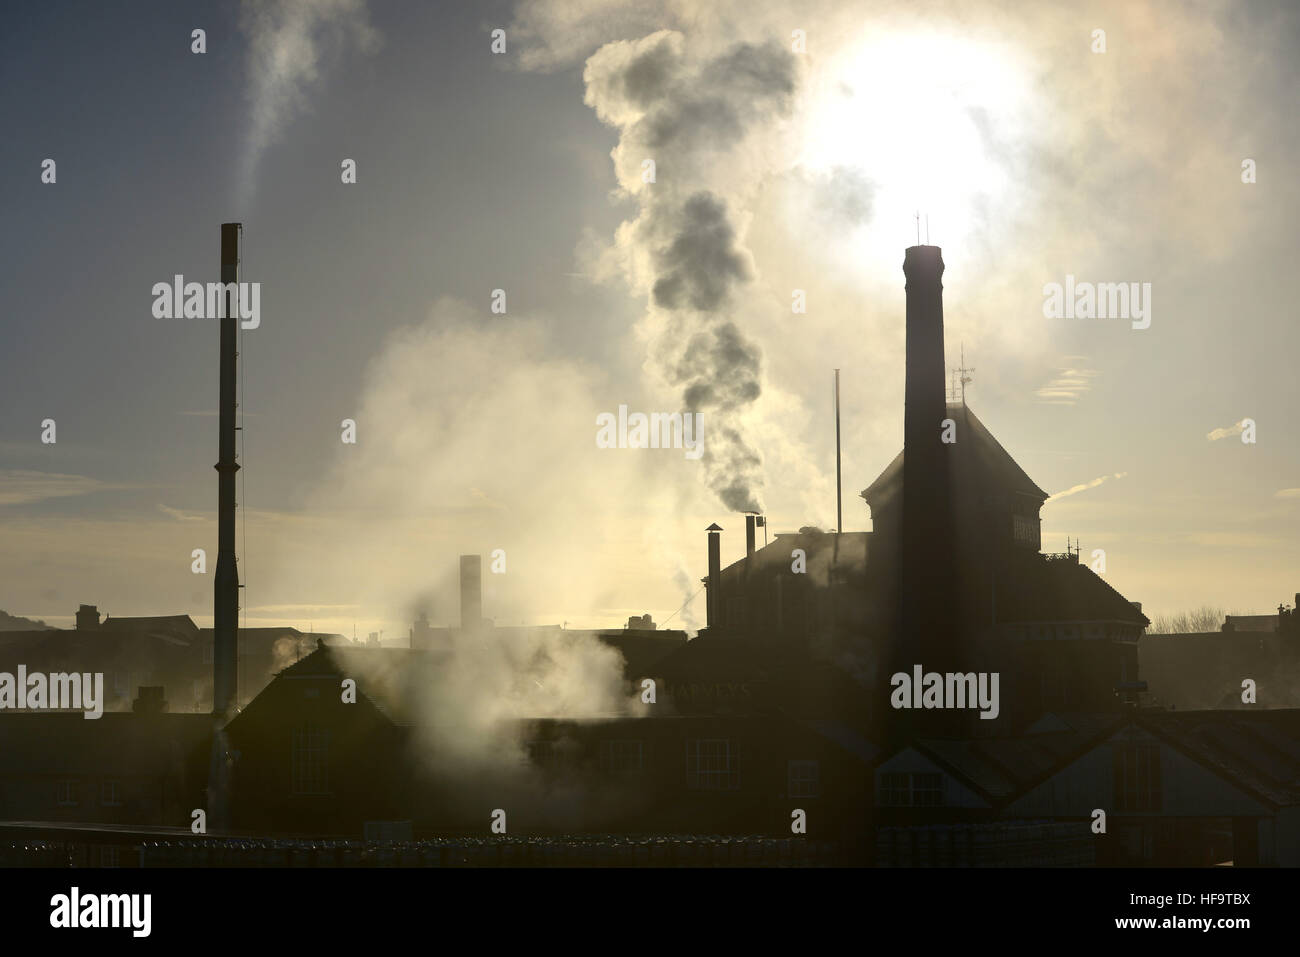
839 504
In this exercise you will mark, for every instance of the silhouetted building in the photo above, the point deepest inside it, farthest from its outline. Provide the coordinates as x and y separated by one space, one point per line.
950 577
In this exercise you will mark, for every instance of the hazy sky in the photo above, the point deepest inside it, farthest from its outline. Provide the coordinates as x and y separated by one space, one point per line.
783 162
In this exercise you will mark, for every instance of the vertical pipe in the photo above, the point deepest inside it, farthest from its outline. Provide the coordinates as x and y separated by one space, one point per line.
749 536
713 609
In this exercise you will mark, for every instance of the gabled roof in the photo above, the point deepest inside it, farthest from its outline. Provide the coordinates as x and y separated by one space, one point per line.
999 768
1255 751
1259 751
977 456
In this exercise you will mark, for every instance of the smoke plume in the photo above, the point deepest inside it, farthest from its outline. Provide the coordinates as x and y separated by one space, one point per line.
691 115
287 41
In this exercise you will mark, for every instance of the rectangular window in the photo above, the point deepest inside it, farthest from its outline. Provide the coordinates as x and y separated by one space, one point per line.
803 779
1137 777
911 790
621 757
1025 530
711 765
67 794
110 793
310 760
109 855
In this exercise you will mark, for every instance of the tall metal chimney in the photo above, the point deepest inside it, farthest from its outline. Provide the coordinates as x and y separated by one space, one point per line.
713 586
749 536
471 592
928 578
225 604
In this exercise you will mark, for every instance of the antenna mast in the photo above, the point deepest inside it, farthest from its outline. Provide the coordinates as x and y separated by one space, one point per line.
839 488
964 373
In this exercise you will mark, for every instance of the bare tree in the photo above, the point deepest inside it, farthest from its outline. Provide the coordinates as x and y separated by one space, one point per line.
1201 620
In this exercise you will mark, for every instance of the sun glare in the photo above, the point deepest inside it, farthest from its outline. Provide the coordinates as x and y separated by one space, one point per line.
932 120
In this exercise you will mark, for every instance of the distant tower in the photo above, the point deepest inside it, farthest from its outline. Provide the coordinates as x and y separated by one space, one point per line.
471 592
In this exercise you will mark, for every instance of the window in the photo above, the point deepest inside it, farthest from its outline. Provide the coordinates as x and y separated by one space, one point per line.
554 755
1025 531
621 757
310 757
1137 777
67 795
109 855
711 765
803 779
110 793
911 790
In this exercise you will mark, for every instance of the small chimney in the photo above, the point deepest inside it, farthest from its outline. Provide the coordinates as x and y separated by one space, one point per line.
87 618
749 536
471 592
713 586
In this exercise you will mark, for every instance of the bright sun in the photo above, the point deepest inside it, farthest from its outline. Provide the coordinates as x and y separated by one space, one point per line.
933 120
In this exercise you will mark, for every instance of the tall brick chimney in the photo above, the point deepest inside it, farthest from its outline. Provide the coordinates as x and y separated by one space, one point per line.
928 592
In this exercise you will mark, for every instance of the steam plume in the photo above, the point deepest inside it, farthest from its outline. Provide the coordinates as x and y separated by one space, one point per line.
287 39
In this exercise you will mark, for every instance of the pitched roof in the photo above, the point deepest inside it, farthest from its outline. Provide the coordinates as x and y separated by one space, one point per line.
1000 768
1257 750
178 625
1061 589
979 459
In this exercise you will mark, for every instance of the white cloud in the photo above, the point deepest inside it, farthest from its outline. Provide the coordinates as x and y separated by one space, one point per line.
1217 434
23 487
1083 487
